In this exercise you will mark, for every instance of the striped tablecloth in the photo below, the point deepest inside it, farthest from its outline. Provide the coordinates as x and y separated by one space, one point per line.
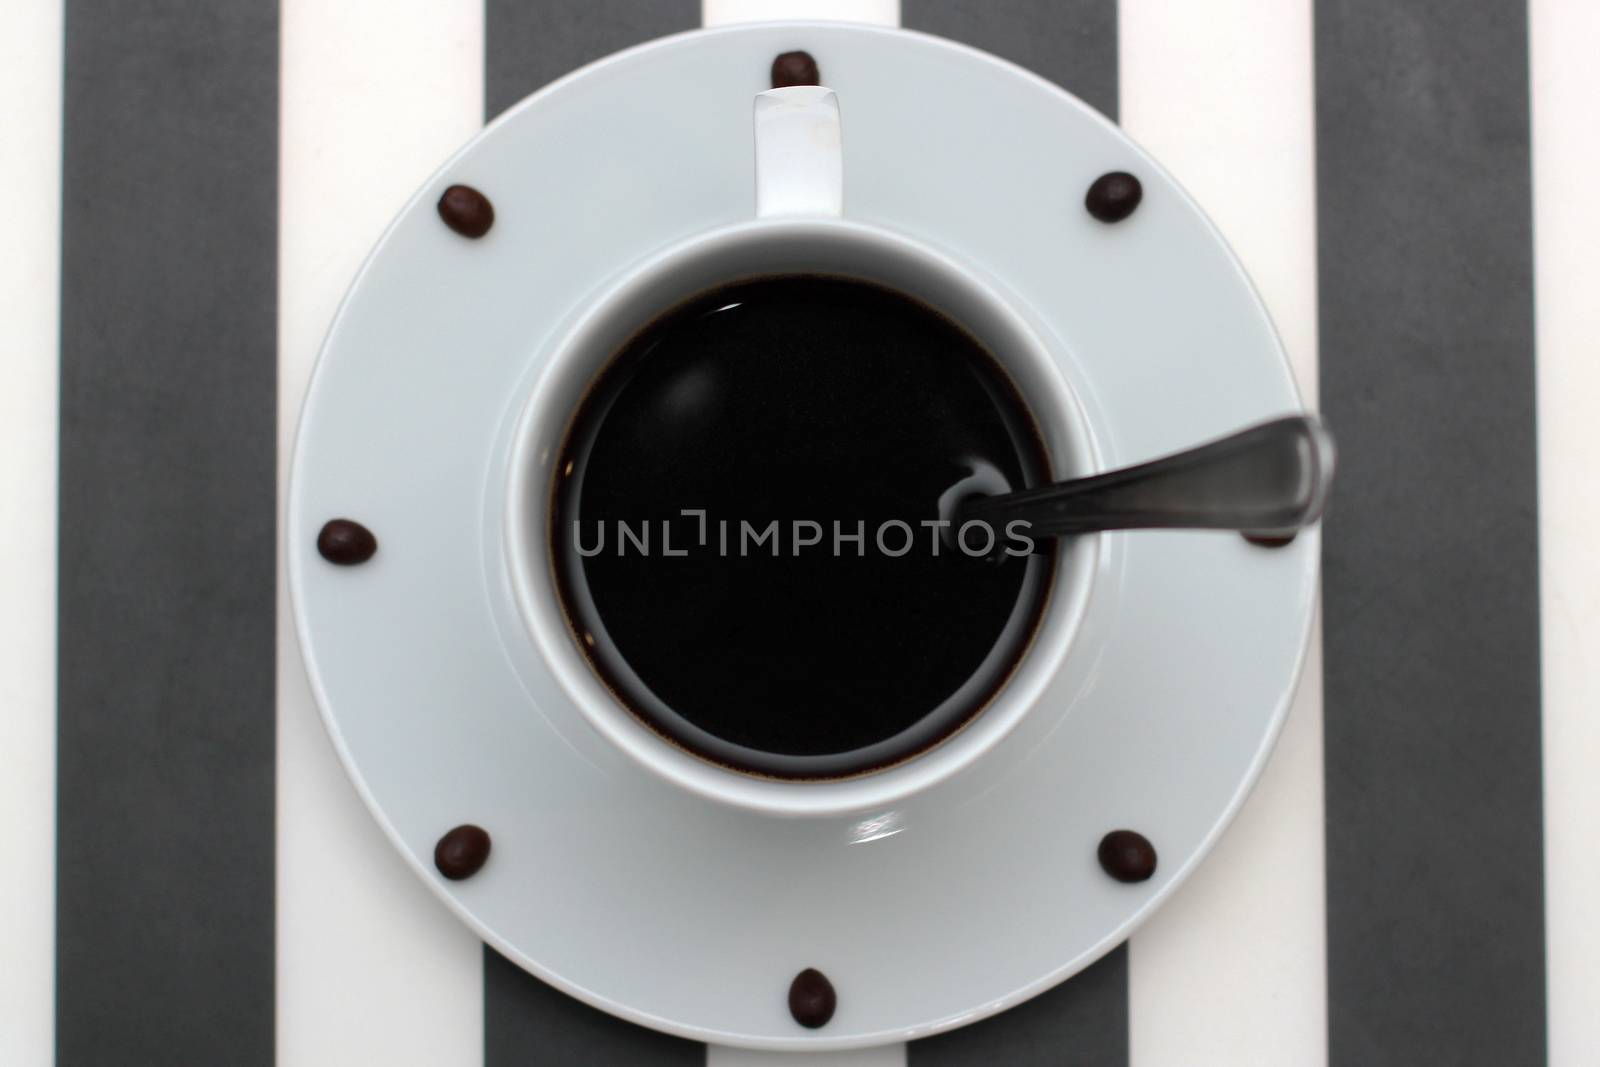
189 878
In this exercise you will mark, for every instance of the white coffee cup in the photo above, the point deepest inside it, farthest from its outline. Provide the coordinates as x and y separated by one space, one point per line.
800 228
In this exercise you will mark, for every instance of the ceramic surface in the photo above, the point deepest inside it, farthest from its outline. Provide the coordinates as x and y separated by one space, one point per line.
681 912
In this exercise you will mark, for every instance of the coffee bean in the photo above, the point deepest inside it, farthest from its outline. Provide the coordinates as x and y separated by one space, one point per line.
1114 196
1269 540
346 542
466 211
795 68
462 852
811 998
1127 856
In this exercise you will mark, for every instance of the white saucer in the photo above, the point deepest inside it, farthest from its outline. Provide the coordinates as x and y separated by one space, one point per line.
670 910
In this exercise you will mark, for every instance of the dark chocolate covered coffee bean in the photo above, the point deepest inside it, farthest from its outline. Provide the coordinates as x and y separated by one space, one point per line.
795 68
462 852
811 998
1127 856
1114 196
346 542
466 211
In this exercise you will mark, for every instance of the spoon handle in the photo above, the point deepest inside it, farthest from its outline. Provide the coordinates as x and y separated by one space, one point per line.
1269 479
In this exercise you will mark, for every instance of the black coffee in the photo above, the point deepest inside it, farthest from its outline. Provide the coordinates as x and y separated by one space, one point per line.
808 618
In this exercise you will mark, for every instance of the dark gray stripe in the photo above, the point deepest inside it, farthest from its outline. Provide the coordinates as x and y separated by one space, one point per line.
1071 42
1431 595
527 1022
527 45
1084 1020
168 487
530 43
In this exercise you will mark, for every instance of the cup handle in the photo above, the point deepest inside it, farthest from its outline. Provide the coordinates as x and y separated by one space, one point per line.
799 165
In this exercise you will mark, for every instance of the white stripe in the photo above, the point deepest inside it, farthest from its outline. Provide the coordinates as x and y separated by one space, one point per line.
723 12
1232 970
1564 40
30 269
371 968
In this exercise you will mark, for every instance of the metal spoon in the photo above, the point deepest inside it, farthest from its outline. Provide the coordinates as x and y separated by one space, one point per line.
1268 480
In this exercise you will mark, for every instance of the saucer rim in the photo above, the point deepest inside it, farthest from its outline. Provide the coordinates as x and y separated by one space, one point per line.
298 566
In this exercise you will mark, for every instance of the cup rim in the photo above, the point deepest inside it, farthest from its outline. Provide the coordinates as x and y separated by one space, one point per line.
539 430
